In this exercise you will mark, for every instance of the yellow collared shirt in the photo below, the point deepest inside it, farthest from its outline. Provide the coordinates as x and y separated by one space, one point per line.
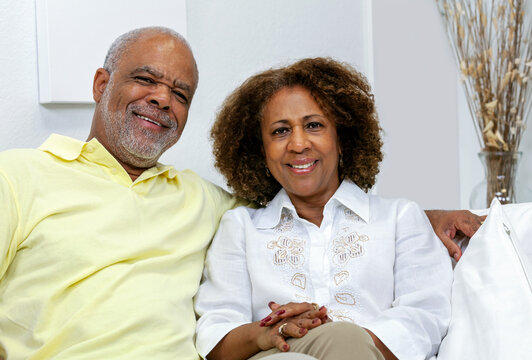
95 266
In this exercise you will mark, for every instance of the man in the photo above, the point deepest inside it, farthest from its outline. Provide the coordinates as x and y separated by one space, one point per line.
101 247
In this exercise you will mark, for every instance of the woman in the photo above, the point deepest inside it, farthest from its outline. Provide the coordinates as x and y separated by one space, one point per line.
304 141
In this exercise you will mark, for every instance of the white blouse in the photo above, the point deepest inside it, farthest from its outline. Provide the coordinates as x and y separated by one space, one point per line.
373 261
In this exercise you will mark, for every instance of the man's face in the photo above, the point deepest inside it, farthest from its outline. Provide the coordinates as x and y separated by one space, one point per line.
144 107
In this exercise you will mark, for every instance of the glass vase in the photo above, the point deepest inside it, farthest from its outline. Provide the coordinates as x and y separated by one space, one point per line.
500 173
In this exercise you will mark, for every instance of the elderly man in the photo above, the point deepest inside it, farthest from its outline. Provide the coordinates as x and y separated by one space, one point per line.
102 247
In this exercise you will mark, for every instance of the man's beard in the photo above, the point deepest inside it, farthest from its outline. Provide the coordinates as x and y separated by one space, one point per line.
129 142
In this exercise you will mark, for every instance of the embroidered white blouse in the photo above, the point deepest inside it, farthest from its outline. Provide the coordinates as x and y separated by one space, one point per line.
373 261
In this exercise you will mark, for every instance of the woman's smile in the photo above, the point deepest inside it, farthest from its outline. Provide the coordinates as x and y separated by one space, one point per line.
300 144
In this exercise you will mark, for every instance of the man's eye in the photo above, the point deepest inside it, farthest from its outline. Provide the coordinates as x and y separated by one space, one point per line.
144 79
180 97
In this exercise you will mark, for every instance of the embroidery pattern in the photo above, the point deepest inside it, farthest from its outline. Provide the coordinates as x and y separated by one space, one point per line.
339 315
303 298
345 298
288 251
351 215
347 247
341 277
299 280
286 223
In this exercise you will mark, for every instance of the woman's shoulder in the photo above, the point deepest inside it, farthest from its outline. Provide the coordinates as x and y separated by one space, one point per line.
242 214
396 207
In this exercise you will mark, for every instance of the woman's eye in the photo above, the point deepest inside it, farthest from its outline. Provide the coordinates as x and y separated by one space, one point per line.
314 125
280 131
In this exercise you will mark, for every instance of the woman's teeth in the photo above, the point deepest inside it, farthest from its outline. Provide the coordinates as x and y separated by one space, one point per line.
304 166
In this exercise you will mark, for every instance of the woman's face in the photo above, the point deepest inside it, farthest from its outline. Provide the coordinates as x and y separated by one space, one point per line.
300 145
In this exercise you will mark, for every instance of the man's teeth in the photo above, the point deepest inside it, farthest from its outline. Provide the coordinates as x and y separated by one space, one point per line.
149 120
304 166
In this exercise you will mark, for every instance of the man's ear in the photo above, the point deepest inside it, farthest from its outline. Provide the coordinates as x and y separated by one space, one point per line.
101 79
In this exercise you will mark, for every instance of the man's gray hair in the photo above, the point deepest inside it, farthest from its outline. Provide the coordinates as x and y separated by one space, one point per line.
120 45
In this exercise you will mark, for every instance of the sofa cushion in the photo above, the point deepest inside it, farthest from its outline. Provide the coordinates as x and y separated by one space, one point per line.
492 290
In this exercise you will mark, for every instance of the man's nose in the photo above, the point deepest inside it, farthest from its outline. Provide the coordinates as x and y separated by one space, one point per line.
160 97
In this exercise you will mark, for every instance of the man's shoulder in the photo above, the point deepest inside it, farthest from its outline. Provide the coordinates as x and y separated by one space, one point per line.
190 179
15 160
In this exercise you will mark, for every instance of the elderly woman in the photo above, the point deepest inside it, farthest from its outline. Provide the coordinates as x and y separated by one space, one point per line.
303 141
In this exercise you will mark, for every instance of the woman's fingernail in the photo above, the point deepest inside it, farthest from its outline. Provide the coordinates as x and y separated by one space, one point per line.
302 331
323 307
271 303
285 347
455 256
266 319
326 318
280 312
262 324
315 321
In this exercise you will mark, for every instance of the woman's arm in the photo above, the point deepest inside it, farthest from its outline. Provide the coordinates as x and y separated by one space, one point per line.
388 355
247 340
419 315
225 328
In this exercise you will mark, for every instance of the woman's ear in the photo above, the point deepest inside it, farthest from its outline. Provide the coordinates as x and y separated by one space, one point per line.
101 79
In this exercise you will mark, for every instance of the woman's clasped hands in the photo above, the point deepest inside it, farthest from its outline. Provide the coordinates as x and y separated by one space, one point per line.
289 320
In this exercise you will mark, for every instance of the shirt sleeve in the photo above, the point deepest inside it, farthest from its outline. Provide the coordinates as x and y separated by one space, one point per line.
9 224
223 200
223 301
418 319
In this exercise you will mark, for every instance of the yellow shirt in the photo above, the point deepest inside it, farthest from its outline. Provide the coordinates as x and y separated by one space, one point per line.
95 266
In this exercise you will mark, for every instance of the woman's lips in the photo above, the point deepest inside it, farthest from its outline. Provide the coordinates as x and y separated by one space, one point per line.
303 167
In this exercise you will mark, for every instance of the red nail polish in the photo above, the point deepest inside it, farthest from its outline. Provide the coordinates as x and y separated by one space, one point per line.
326 318
285 347
262 324
266 319
323 307
302 330
271 303
315 321
280 312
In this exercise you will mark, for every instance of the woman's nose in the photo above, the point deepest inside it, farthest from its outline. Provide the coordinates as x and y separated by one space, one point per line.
299 140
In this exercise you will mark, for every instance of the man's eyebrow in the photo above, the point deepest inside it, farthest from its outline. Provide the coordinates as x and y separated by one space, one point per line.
177 83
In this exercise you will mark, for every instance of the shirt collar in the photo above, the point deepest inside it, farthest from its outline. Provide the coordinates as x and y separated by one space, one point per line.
70 149
348 194
353 198
63 147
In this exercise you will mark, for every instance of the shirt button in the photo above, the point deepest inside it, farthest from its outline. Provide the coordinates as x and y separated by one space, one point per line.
90 148
114 171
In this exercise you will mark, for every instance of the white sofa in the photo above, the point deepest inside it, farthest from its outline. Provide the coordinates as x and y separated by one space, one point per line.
492 290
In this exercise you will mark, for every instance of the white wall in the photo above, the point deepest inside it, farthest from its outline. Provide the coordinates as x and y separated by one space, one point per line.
415 88
233 39
414 77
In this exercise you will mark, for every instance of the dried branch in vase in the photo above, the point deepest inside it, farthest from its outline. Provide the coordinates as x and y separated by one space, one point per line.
491 40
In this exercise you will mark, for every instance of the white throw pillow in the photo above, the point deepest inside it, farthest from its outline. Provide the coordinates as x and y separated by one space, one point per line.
492 290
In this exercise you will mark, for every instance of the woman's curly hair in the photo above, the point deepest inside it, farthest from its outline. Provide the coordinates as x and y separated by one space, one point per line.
342 92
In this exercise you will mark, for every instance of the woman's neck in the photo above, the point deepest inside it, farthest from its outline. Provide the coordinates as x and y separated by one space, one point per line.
311 208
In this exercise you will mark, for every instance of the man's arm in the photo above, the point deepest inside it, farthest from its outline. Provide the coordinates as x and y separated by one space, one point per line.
9 218
448 224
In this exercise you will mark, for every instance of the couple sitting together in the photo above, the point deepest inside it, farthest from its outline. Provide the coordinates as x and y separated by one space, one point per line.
107 265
